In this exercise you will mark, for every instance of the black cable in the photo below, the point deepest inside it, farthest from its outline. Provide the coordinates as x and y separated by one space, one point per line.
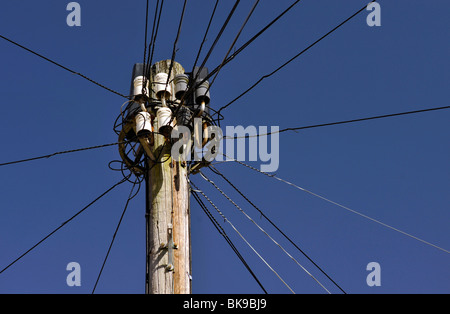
344 122
253 38
255 4
63 67
225 24
295 57
151 47
62 225
205 36
193 85
144 70
145 35
214 169
130 197
174 50
154 35
225 236
59 153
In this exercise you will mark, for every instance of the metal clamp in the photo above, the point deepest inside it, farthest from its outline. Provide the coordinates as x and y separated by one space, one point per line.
169 247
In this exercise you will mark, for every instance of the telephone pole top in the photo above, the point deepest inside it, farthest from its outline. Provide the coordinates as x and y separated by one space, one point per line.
164 98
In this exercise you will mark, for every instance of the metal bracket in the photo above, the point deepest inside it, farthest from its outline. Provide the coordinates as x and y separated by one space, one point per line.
169 247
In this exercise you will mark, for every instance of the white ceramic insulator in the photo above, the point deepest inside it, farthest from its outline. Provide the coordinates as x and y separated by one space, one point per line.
143 123
202 93
181 82
138 85
164 116
162 87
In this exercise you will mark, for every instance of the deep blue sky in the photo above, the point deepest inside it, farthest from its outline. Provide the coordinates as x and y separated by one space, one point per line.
395 170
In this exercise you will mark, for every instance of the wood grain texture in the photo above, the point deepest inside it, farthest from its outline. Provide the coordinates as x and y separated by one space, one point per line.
167 210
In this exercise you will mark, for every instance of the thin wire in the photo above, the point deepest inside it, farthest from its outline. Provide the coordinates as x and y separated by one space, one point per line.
343 122
342 206
206 34
262 230
63 224
60 153
192 86
155 33
255 4
215 170
224 234
130 197
295 57
225 24
63 67
242 237
147 63
254 38
174 50
144 70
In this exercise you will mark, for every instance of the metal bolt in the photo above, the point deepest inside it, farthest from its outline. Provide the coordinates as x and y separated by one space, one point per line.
169 267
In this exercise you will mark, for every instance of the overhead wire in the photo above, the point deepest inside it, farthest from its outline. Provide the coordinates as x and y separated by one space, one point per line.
60 153
218 36
340 205
206 34
262 230
243 238
155 30
63 67
226 60
130 197
195 191
193 85
293 58
216 171
62 225
240 49
295 129
252 10
174 50
144 70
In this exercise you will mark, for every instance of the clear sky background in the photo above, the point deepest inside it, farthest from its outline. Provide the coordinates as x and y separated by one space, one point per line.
394 170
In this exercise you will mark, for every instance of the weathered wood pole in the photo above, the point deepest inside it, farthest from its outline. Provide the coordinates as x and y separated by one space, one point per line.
167 210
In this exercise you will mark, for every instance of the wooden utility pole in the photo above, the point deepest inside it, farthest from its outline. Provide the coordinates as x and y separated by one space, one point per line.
168 260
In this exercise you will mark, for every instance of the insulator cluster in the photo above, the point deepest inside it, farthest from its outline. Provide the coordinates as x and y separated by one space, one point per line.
172 102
